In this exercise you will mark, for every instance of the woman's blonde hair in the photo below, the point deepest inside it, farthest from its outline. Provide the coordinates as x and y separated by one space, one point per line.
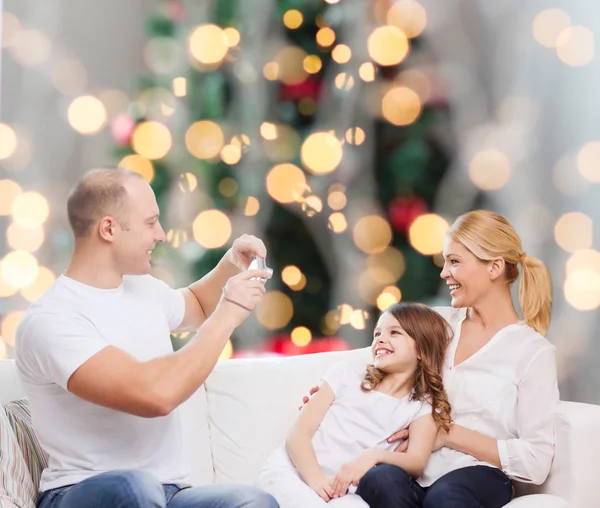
432 336
489 235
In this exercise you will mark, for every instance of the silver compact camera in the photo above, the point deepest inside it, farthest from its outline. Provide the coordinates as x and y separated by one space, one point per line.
259 263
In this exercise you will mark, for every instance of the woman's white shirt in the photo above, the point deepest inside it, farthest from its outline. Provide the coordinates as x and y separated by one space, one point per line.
507 390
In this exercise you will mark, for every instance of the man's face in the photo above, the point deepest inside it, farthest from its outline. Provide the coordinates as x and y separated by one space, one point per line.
140 231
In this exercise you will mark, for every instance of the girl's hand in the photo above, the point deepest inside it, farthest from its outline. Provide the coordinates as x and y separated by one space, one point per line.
351 472
323 489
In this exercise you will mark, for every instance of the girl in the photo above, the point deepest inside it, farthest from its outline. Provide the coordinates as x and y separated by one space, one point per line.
500 373
342 432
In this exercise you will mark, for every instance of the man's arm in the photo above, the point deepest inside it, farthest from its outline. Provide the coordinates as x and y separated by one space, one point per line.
201 297
114 379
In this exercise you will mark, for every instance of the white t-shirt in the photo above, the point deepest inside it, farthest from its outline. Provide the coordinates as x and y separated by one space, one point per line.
507 390
356 420
69 324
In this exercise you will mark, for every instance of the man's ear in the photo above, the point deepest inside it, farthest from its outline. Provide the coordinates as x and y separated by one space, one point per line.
496 268
107 227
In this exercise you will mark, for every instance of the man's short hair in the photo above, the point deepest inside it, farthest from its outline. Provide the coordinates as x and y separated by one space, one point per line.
99 193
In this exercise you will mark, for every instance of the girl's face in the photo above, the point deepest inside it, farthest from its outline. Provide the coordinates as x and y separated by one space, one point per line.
467 277
393 349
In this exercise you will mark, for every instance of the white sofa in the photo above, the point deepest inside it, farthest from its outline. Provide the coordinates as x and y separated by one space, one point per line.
246 406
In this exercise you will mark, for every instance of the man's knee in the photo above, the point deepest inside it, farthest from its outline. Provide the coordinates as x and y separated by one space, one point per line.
384 482
133 488
256 498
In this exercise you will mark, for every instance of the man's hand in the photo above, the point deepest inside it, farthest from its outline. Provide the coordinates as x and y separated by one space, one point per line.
351 472
323 489
306 398
241 295
402 438
243 249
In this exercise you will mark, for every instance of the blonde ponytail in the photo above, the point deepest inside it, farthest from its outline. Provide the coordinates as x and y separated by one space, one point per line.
535 294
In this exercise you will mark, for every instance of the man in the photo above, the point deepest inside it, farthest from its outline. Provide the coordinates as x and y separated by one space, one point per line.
96 361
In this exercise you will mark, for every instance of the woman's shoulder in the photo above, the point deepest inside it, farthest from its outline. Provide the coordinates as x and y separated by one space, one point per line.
528 340
450 314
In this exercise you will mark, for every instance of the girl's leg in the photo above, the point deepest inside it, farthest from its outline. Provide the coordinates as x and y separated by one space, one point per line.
470 487
290 491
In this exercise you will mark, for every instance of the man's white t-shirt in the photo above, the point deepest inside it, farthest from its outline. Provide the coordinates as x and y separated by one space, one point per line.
69 324
356 420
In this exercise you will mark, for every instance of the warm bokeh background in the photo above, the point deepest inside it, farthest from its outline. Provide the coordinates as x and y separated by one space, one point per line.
347 134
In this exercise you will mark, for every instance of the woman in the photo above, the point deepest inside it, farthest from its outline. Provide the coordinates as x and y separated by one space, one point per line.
499 373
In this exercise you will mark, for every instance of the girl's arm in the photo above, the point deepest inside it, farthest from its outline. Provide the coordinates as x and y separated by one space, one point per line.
299 442
422 436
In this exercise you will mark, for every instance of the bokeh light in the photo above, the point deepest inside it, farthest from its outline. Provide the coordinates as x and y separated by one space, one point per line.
9 190
69 76
45 278
292 19
418 81
232 36
312 205
391 260
208 44
228 187
8 141
252 206
268 131
179 86
9 29
212 229
138 164
301 336
408 16
548 25
325 37
401 106
291 275
582 289
290 64
355 136
584 259
357 319
30 210
151 140
275 310
176 237
337 222
8 329
387 45
3 352
27 239
427 234
6 289
312 64
87 115
321 152
367 72
19 269
574 231
30 47
188 182
489 169
231 154
372 234
204 139
271 71
227 351
286 183
588 161
344 81
389 296
341 54
337 200
575 46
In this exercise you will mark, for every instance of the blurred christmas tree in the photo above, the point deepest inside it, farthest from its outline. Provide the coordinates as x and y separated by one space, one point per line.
314 125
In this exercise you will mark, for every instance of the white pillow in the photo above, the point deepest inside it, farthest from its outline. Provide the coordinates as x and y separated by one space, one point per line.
252 403
16 486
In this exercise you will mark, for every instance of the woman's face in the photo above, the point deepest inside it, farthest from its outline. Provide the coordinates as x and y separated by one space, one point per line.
467 277
393 349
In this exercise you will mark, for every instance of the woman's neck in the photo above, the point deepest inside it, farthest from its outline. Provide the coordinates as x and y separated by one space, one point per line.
494 312
397 384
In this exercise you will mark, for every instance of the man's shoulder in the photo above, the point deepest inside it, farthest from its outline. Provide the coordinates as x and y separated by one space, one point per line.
143 283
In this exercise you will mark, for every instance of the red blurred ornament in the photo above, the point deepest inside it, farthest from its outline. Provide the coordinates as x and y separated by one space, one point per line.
310 88
175 10
121 128
282 345
404 210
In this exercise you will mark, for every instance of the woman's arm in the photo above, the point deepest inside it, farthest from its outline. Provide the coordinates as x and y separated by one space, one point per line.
422 436
527 458
299 442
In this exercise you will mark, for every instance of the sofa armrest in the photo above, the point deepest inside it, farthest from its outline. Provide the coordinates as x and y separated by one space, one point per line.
575 469
538 501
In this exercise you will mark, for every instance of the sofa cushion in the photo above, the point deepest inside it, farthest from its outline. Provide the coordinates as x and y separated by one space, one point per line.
16 486
19 417
253 402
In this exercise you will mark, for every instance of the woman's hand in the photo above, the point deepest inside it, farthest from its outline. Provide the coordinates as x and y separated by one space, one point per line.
401 437
351 472
323 488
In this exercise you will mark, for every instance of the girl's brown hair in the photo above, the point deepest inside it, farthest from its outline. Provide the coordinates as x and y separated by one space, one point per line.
432 334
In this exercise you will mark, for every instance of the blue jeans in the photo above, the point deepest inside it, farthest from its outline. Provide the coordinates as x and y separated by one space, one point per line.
138 489
387 486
